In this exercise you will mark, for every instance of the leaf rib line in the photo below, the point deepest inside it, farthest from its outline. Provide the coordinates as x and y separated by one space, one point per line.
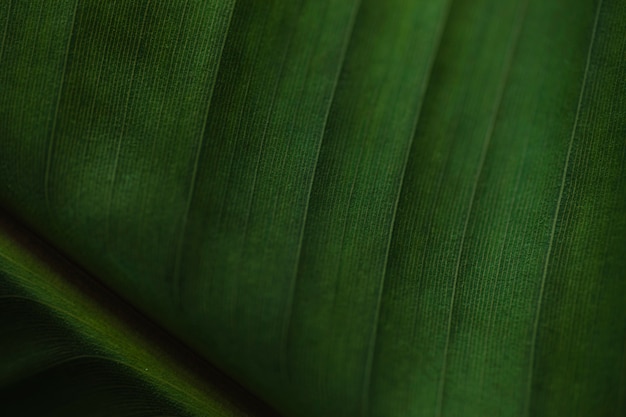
369 365
241 131
557 210
118 146
194 174
292 287
55 117
295 119
6 29
262 148
488 137
175 65
498 267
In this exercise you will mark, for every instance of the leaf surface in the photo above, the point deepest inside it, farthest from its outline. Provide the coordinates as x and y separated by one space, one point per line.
355 207
71 347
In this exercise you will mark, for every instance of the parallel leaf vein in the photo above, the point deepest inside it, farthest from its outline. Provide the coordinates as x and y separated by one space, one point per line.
488 136
292 288
55 116
365 399
196 163
558 209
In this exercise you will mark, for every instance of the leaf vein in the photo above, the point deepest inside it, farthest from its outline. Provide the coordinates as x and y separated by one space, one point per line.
369 365
293 283
196 163
55 117
487 141
557 210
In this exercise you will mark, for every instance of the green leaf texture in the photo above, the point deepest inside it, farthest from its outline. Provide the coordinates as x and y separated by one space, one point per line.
350 207
71 348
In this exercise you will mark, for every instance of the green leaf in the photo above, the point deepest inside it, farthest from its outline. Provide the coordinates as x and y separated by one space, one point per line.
70 347
356 207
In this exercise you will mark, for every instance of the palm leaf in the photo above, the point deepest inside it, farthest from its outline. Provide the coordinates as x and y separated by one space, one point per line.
381 208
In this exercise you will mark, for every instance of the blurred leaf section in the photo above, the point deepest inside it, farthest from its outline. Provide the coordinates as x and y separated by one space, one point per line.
69 347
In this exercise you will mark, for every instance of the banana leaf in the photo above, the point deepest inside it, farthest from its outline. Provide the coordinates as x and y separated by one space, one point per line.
313 208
